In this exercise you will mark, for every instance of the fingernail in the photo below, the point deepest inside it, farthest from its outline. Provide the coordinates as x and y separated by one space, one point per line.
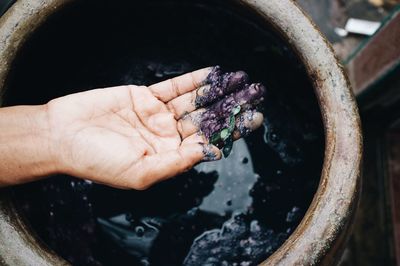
211 153
248 121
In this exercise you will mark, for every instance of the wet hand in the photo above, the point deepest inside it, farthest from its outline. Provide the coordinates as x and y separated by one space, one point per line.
131 137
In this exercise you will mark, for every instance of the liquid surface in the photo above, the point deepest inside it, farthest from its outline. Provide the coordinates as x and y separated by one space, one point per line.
234 212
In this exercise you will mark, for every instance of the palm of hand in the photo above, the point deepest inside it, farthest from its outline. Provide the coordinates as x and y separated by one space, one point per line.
129 136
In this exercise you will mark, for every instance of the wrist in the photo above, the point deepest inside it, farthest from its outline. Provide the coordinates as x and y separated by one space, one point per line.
26 145
46 146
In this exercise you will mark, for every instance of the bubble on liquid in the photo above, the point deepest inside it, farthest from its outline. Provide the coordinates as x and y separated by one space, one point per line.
211 261
139 230
269 249
144 262
193 211
246 238
293 215
247 251
254 226
274 137
266 130
129 217
216 250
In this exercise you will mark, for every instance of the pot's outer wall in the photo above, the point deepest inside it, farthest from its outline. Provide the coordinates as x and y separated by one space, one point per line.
322 232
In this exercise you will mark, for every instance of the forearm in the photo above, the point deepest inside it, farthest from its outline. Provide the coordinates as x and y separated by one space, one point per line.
25 149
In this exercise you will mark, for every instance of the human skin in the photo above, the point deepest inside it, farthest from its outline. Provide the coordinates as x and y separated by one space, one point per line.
127 137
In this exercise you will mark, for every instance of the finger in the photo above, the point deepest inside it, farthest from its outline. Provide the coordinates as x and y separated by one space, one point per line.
214 89
220 84
216 116
172 88
247 122
153 113
197 137
169 164
144 103
190 123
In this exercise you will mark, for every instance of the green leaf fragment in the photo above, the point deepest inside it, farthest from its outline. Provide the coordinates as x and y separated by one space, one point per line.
232 121
236 110
225 134
215 138
227 147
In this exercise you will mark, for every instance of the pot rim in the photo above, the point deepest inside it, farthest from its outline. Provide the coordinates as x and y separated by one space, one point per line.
324 226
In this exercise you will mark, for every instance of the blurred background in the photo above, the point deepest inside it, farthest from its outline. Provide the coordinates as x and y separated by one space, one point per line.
365 35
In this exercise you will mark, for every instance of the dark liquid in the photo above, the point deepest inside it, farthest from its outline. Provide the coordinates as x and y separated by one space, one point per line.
238 210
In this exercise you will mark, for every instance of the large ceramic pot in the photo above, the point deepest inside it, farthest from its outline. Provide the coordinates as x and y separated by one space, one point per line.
322 233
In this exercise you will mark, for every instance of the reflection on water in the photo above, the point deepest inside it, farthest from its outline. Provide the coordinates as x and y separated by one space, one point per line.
235 180
230 195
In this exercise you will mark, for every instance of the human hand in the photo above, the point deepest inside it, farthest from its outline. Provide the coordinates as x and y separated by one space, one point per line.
131 137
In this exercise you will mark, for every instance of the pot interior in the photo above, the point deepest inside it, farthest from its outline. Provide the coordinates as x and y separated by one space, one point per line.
238 210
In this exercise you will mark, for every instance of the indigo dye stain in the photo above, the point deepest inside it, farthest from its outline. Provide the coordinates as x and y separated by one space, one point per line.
218 84
233 104
185 220
217 116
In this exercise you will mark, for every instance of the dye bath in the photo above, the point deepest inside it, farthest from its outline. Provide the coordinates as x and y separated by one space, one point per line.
237 211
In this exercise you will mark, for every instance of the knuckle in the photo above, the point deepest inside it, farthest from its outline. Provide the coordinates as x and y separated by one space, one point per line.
174 87
171 107
130 86
180 129
193 80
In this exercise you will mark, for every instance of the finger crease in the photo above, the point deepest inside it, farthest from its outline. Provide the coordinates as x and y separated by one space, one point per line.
180 128
194 83
174 88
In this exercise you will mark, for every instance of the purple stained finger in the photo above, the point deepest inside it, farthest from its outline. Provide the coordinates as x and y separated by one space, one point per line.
218 115
219 84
